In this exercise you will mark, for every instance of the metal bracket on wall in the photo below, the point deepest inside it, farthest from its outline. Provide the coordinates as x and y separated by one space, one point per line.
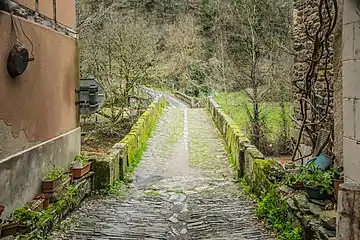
90 96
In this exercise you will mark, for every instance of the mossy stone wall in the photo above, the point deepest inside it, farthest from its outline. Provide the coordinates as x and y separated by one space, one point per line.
242 153
127 153
263 179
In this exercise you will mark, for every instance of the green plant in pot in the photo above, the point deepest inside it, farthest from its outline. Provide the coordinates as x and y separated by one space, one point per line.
318 183
338 179
52 179
80 161
54 174
290 180
27 218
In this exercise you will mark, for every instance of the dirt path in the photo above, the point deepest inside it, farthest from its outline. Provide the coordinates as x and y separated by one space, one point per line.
182 189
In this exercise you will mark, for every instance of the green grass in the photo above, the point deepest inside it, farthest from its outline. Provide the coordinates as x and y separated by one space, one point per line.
234 105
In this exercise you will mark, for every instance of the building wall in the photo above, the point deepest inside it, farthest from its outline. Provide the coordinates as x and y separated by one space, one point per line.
38 116
306 21
351 91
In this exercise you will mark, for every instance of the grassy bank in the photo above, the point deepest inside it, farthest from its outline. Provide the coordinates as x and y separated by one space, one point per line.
236 104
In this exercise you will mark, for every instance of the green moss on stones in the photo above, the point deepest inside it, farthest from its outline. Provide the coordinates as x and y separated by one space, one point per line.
261 176
104 172
136 140
47 219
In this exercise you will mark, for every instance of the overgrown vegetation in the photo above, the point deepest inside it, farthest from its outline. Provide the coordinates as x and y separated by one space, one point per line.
275 211
25 214
272 207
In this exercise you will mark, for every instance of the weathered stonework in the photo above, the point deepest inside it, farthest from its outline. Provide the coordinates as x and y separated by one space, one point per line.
264 175
126 154
52 216
306 24
348 212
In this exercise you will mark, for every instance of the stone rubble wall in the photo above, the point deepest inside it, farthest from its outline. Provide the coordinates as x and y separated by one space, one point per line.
69 200
306 22
263 175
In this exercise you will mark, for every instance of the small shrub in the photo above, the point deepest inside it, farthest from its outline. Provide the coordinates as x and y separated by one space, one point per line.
275 211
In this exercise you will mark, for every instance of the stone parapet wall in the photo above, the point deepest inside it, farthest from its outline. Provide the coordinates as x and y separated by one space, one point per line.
126 154
265 176
242 153
192 102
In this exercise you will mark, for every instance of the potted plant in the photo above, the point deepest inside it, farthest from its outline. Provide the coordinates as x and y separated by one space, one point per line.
338 179
80 166
290 180
318 183
26 219
9 228
52 179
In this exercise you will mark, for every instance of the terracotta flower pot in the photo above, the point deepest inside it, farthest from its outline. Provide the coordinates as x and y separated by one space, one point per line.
24 228
49 186
9 229
297 185
337 183
80 172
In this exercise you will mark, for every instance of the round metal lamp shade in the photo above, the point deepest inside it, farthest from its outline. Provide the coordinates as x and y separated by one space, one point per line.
17 61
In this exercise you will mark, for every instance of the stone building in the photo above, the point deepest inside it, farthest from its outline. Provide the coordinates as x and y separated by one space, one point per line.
315 79
345 99
39 126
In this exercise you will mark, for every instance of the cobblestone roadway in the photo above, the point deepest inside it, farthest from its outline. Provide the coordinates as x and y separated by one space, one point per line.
182 189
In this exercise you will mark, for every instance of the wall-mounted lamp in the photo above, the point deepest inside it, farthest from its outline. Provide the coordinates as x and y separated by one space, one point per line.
18 60
19 56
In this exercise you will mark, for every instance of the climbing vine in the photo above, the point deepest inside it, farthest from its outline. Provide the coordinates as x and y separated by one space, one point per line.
315 118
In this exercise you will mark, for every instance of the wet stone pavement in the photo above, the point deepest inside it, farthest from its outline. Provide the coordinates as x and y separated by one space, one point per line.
182 189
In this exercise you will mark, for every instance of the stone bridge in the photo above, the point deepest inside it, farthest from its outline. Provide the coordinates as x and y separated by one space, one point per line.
183 188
